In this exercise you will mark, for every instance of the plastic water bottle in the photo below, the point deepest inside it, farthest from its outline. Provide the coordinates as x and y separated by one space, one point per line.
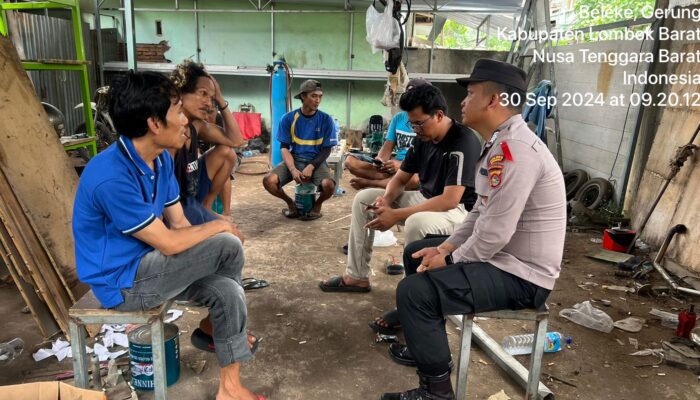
10 350
522 344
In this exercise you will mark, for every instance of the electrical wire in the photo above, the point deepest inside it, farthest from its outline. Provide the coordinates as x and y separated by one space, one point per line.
612 180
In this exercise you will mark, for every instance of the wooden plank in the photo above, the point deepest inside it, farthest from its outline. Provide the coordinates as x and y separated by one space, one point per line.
42 272
36 237
40 312
11 252
31 236
37 167
33 277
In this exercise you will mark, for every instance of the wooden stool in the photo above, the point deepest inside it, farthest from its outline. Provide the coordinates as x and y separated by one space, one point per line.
89 311
533 377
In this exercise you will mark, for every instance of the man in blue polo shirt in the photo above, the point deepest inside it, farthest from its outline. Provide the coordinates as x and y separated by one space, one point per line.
307 136
124 250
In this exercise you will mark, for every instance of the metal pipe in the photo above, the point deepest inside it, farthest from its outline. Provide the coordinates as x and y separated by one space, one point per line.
680 228
432 42
130 34
352 11
660 255
676 164
272 33
504 360
98 37
352 34
196 31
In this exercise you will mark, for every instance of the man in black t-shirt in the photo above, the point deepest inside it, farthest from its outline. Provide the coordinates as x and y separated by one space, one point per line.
444 155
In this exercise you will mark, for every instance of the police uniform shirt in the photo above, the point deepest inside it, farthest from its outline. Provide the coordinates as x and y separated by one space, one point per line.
518 223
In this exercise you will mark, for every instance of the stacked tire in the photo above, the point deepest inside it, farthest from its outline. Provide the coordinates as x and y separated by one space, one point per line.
592 193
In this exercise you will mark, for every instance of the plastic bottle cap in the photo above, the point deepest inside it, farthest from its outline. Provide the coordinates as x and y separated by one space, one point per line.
569 340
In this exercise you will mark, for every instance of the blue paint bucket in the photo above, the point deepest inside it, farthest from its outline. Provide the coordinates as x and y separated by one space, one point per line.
305 197
141 354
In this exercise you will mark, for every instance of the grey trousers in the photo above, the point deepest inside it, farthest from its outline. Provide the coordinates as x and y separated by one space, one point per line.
417 226
208 273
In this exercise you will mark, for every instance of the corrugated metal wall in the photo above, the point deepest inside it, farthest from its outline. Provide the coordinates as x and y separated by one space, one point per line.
48 37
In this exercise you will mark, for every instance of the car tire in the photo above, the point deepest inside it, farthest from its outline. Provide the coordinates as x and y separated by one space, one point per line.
573 180
594 193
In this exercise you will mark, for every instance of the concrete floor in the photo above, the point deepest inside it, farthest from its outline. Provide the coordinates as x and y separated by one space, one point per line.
339 360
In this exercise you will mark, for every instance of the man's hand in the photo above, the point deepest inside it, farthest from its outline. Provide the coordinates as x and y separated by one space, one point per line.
433 257
308 172
434 262
218 98
390 166
230 227
234 230
297 176
380 201
386 218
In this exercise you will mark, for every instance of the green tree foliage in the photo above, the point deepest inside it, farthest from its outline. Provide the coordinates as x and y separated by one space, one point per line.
458 36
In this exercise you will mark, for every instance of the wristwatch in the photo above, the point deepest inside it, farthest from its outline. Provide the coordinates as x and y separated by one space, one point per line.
449 260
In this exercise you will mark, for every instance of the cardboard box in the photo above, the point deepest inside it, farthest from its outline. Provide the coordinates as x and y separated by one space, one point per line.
48 391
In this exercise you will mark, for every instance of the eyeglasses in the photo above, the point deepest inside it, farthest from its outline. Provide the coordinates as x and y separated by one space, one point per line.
418 126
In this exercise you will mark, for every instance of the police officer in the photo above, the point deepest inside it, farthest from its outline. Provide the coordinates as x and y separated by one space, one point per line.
507 253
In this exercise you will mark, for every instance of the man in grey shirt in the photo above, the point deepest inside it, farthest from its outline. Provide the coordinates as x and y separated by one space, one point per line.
507 253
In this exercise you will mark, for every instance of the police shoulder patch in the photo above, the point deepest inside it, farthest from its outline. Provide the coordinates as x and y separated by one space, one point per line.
495 178
496 159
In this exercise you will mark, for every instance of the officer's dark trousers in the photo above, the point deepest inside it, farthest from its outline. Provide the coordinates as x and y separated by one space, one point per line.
423 299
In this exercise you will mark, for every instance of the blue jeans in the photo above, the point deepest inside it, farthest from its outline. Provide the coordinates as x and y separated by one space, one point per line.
208 273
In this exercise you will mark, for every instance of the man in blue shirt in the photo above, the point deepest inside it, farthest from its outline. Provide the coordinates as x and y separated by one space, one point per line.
399 138
307 136
124 250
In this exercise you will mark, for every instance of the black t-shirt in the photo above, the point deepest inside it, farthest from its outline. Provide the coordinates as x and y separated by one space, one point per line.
186 166
450 162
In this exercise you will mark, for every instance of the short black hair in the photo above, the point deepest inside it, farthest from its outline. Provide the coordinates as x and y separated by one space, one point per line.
516 97
428 97
136 96
186 75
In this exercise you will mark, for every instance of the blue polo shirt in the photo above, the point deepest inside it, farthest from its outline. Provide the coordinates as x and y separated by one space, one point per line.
118 195
307 135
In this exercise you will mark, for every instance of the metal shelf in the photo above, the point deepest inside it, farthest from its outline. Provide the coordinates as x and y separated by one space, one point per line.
346 75
79 65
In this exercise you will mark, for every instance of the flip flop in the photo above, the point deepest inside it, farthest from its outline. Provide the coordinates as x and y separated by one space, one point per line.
202 341
391 318
336 284
252 283
311 216
290 214
394 269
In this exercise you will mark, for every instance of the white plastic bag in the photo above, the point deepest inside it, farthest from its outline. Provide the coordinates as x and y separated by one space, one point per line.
586 315
383 30
384 239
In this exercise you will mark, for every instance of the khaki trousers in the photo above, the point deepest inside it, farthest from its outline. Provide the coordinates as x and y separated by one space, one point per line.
417 226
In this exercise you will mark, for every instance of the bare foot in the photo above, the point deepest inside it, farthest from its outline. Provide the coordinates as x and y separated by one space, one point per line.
359 183
230 386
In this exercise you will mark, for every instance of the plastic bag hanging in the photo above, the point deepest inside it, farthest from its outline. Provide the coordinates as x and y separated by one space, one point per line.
383 30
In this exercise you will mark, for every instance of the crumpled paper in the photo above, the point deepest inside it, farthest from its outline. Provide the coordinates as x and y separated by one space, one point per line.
175 315
112 336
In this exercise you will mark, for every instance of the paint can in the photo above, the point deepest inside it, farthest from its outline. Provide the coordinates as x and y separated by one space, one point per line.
305 197
141 354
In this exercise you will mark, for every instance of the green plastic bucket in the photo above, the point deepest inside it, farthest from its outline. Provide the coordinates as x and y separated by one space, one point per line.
218 205
305 197
141 355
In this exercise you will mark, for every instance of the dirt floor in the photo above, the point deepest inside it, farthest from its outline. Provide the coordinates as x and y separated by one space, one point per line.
318 345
